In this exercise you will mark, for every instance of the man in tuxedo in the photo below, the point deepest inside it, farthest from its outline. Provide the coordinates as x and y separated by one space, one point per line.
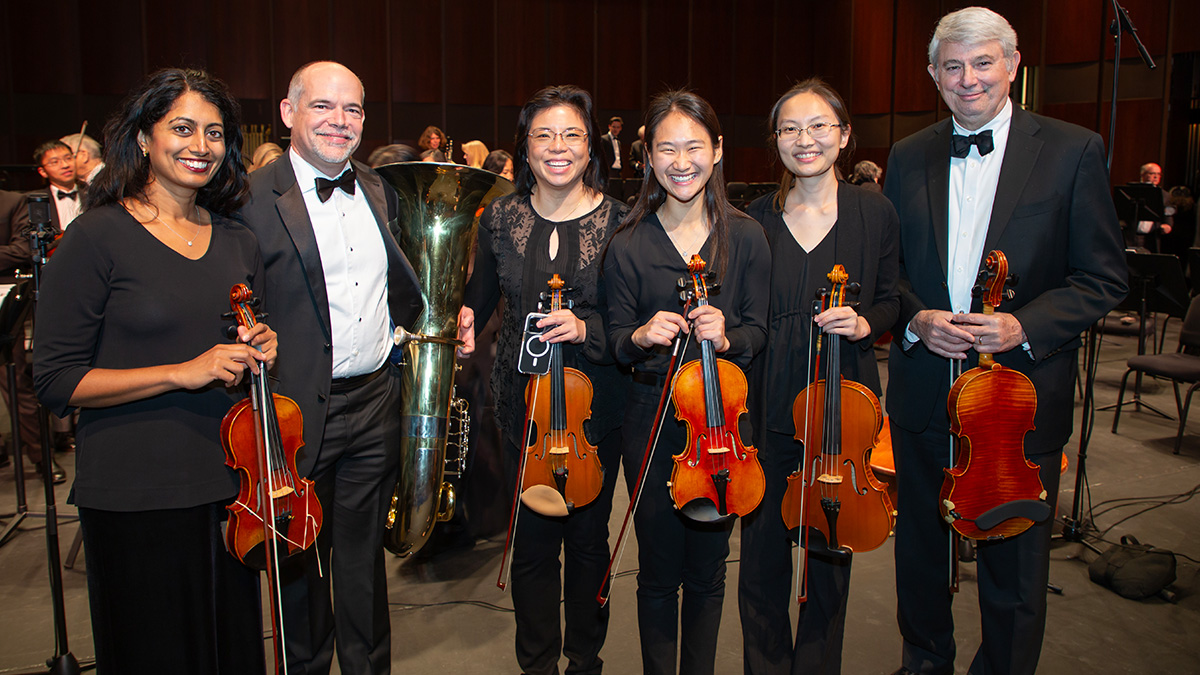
88 158
336 284
991 177
56 164
610 151
637 154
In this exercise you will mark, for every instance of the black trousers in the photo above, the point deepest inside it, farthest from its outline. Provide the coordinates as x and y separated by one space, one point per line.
766 576
347 596
31 433
673 552
1012 572
540 578
166 597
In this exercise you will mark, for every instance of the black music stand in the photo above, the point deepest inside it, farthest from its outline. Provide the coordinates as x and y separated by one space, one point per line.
1156 284
1137 202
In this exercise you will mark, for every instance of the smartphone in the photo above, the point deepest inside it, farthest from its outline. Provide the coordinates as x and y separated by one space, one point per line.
534 358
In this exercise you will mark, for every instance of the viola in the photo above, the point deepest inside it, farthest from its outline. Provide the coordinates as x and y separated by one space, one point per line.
562 469
835 492
716 477
276 513
993 491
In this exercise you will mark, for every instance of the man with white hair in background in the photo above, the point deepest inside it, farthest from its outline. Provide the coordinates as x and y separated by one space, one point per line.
88 157
991 177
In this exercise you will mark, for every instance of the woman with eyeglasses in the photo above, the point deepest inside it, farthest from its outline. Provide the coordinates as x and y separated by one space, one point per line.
813 222
557 222
682 210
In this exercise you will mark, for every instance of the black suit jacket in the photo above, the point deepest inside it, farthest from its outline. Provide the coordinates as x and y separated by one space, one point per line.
606 151
14 239
1054 220
295 286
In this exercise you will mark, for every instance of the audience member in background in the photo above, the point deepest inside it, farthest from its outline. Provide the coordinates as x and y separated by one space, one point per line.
392 154
499 161
56 164
474 153
433 139
866 174
432 156
637 153
1150 234
130 329
88 160
264 155
610 150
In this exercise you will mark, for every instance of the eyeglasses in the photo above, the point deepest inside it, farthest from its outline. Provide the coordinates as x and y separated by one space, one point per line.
544 137
63 160
817 131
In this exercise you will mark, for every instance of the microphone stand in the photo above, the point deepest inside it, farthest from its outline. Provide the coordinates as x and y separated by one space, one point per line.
63 662
1073 525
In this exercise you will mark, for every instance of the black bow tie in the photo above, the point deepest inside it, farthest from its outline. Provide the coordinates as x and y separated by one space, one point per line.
67 195
960 146
325 187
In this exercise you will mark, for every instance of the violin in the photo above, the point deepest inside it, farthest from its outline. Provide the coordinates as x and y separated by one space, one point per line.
835 492
993 491
562 469
716 477
276 513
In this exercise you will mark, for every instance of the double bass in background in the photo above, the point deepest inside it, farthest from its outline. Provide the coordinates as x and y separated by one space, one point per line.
716 477
561 470
993 491
835 491
276 513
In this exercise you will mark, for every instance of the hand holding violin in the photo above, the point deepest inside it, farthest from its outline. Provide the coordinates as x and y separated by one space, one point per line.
994 333
661 330
564 327
843 321
939 331
228 362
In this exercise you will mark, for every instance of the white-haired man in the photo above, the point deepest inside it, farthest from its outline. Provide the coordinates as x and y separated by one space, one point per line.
88 157
994 177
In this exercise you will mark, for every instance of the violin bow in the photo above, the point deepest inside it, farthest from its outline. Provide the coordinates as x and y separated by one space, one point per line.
651 443
814 365
956 367
506 562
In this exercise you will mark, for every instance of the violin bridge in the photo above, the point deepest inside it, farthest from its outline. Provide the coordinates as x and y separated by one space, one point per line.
829 480
720 450
282 492
559 450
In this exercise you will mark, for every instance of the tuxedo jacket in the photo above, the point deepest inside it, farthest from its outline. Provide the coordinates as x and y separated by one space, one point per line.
1054 220
295 287
606 152
14 240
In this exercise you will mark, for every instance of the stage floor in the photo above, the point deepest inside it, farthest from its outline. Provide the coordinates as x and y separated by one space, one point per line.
449 617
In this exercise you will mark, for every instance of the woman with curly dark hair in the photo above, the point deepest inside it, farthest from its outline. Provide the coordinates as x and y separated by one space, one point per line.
130 331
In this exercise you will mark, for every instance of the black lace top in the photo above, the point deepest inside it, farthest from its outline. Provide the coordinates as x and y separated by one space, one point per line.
514 260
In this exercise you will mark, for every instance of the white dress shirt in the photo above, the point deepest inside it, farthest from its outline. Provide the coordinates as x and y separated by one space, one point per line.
67 208
355 264
616 153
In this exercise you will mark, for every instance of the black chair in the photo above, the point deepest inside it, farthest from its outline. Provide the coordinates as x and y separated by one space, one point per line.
1182 366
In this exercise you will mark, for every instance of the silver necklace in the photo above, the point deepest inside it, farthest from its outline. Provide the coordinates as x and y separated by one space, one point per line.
696 238
185 239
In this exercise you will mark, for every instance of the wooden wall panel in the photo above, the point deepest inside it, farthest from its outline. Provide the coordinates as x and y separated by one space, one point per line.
712 54
871 81
468 36
44 62
754 60
1185 25
1082 41
1150 17
415 27
618 60
169 42
915 20
832 50
521 63
302 34
114 71
793 60
359 39
669 47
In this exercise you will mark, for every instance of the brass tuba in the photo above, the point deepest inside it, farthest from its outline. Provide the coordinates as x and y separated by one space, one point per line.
439 206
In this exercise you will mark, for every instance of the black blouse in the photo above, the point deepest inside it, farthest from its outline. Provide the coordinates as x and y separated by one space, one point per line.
865 241
116 297
642 269
514 260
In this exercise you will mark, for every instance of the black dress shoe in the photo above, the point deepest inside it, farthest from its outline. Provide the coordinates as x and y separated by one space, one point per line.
59 474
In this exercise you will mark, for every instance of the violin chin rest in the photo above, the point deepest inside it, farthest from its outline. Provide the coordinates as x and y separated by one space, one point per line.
703 510
546 500
1033 509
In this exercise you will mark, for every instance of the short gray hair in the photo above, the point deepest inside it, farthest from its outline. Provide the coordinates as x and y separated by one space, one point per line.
973 26
88 144
296 85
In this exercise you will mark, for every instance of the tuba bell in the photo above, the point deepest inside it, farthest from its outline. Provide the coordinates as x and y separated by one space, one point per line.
439 206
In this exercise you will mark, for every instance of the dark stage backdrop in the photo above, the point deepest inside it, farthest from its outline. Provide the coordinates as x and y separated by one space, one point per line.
467 66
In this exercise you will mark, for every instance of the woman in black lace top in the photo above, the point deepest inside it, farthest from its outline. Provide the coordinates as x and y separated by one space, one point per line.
557 222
